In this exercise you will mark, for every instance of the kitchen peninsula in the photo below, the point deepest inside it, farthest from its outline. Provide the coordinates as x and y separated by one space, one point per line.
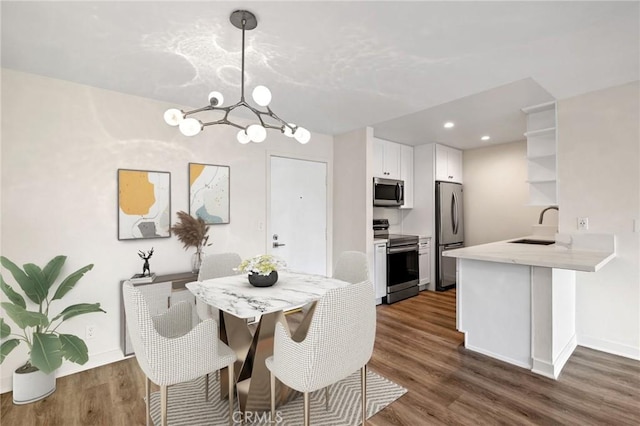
516 300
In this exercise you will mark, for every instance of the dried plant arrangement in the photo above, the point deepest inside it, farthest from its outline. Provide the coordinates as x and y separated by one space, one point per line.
191 231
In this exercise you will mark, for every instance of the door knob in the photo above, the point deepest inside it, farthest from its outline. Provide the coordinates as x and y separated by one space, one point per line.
277 244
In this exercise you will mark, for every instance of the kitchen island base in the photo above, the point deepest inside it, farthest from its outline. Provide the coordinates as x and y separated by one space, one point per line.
520 314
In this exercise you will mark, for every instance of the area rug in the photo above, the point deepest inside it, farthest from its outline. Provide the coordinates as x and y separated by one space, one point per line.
187 405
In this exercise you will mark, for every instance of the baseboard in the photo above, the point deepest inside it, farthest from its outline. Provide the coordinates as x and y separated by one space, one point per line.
67 368
552 370
498 357
609 347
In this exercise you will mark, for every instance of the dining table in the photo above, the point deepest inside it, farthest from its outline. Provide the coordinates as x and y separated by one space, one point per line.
238 302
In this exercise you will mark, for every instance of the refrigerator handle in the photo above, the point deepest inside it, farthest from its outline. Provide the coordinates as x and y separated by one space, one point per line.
455 214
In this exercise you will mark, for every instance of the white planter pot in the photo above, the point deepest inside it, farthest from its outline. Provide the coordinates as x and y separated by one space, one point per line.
32 386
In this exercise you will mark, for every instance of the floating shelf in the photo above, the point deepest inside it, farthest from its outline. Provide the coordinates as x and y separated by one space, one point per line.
540 132
541 157
540 107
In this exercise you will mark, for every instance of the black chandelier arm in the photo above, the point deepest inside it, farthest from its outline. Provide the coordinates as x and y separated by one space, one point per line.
223 121
284 123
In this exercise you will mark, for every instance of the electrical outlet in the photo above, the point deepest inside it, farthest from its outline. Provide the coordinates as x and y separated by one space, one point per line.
583 223
90 332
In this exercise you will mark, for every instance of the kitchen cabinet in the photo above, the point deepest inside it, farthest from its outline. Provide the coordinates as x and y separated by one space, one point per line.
448 164
160 295
380 270
541 154
424 259
386 159
406 174
393 160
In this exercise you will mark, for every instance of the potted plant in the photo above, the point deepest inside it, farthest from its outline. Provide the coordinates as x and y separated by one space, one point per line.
192 232
262 269
47 346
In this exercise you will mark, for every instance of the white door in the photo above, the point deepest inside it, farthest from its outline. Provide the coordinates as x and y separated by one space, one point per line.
297 230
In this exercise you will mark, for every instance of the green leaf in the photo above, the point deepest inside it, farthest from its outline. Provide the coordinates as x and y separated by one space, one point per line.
7 347
11 294
78 309
24 318
74 349
5 330
46 353
70 282
30 288
37 277
52 270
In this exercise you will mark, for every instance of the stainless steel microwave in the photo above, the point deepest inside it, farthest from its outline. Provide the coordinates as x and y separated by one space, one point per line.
388 192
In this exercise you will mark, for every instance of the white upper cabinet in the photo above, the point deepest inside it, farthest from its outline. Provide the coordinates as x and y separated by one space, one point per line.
448 164
406 174
386 159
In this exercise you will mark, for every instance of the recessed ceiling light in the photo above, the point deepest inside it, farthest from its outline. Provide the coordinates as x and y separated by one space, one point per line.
448 124
485 138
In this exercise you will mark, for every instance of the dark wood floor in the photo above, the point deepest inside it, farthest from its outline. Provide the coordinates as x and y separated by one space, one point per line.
417 346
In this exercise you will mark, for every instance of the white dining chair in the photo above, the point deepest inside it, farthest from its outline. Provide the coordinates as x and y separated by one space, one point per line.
215 266
170 351
352 267
338 343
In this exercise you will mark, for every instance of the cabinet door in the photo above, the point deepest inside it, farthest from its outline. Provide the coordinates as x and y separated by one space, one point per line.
378 158
442 167
392 159
454 165
406 174
380 270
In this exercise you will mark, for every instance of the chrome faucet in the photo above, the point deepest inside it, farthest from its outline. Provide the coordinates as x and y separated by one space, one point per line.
543 211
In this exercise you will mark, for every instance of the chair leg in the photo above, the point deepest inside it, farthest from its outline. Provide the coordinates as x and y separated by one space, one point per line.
326 397
272 381
363 389
147 390
231 389
163 404
306 408
206 387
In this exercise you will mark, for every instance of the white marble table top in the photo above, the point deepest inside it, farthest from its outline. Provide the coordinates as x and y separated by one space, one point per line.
234 294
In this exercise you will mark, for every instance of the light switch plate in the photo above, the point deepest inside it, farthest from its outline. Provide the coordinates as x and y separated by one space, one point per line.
636 225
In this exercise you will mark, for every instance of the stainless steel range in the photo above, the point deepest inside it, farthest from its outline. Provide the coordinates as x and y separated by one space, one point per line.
402 262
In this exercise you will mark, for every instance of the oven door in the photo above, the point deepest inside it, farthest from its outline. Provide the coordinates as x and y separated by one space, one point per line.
402 267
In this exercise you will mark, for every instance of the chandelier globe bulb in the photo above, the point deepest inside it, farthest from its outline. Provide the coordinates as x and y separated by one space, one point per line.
173 116
262 95
257 133
216 99
302 135
243 137
190 126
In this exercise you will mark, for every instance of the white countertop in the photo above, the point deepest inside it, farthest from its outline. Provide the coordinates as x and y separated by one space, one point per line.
379 240
550 256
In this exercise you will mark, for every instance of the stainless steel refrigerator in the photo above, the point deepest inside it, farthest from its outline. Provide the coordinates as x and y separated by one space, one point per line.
449 231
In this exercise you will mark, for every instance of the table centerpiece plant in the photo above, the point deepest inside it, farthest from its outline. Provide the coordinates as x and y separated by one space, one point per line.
262 269
192 232
47 346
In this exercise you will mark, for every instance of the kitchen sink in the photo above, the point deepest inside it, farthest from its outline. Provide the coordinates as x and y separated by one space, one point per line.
532 241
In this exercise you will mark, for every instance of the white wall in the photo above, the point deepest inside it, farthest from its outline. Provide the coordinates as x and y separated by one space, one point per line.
62 144
599 178
496 194
352 192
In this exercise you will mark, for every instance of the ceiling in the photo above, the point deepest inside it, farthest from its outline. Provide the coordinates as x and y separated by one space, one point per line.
400 67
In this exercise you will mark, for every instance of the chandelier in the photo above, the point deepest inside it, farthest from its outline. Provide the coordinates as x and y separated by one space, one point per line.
190 126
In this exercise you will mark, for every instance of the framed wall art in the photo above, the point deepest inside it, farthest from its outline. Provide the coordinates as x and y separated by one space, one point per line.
209 192
144 204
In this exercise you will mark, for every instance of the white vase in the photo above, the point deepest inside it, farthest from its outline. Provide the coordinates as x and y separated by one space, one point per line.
32 386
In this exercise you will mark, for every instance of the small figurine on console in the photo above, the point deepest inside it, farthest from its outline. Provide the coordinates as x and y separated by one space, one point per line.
145 268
